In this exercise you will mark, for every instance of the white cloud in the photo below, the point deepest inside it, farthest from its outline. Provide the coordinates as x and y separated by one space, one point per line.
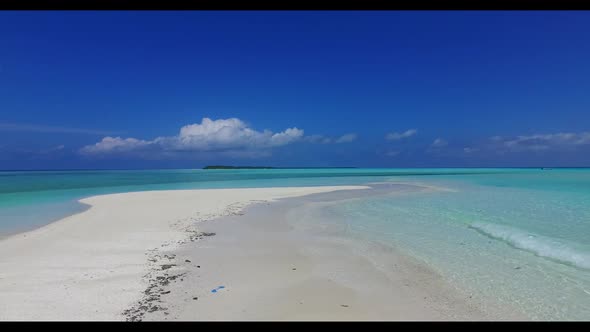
209 135
114 144
541 142
346 138
397 136
439 143
227 134
230 137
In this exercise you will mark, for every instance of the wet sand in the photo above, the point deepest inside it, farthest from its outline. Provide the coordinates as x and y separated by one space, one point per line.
268 264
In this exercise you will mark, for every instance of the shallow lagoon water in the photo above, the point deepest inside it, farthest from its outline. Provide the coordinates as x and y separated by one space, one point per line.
525 246
29 199
519 236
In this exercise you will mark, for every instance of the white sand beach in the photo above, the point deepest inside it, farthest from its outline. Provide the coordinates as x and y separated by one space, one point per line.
144 256
89 266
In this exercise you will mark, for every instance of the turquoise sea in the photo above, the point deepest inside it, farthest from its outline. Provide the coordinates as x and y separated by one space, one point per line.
519 236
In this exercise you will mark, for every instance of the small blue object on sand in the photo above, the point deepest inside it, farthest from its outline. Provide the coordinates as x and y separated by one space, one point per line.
216 289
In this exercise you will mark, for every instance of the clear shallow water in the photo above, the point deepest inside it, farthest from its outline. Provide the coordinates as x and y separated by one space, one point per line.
520 239
29 199
519 236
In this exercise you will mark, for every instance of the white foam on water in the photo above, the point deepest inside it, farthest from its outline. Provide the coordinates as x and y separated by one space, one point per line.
539 245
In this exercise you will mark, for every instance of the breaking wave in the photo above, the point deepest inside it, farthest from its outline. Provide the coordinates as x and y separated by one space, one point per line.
539 245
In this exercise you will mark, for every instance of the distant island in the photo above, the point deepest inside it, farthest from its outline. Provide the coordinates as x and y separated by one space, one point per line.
261 167
236 167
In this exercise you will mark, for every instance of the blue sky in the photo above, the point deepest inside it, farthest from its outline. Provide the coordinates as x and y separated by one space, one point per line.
369 89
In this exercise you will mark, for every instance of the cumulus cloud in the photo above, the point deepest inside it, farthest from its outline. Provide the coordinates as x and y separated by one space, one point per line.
209 135
232 137
227 134
541 142
439 143
114 144
397 136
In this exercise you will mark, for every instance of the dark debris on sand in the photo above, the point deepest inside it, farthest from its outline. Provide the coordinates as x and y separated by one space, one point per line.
157 278
151 301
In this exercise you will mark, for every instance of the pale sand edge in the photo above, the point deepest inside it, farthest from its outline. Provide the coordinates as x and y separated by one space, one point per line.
89 266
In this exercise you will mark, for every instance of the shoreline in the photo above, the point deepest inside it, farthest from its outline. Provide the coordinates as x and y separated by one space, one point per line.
160 254
15 232
89 266
274 267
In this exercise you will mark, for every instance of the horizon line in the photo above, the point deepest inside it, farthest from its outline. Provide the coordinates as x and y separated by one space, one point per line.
272 167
